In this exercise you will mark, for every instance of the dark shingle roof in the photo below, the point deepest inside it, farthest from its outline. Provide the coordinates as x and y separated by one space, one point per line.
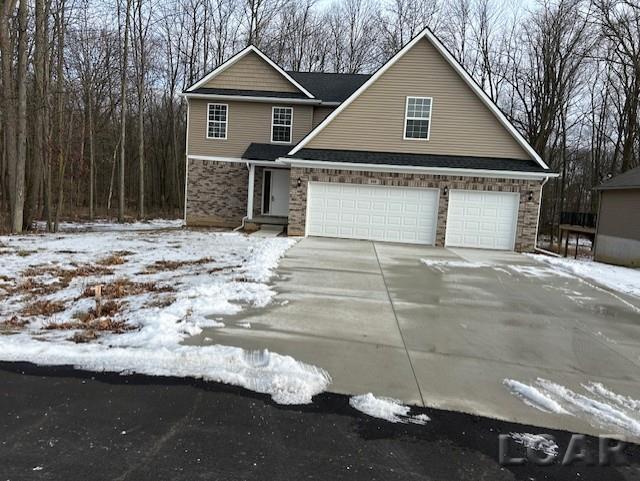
250 93
420 160
266 151
629 180
330 87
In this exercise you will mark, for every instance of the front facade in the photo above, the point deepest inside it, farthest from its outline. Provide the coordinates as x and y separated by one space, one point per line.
414 153
618 230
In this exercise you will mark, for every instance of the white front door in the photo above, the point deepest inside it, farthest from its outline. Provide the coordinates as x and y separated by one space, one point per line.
373 212
279 193
482 219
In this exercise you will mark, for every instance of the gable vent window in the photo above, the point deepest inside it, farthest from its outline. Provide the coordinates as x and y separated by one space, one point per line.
281 122
217 116
417 120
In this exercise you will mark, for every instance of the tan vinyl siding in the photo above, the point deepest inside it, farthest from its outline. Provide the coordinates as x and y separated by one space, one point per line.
247 122
252 73
320 113
460 123
614 218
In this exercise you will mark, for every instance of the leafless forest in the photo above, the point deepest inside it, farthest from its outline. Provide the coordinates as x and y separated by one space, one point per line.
93 124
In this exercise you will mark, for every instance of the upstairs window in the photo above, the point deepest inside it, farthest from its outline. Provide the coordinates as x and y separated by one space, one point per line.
217 116
417 119
281 122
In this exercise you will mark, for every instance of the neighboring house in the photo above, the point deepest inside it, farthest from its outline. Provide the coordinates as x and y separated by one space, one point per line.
414 153
618 229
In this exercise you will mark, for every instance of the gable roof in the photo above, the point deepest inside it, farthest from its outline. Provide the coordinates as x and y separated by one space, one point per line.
330 87
629 180
250 49
427 34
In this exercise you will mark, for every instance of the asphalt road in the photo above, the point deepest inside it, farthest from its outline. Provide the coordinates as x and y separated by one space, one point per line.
62 424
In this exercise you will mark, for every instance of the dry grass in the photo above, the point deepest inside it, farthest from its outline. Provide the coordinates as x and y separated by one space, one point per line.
173 265
164 301
112 260
82 337
43 308
124 287
13 323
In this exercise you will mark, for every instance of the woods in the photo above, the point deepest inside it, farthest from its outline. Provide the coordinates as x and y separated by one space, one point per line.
93 124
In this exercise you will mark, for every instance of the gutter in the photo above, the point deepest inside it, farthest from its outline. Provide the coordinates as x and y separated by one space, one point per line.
246 98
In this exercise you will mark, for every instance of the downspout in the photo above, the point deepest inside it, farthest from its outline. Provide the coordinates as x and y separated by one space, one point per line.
252 174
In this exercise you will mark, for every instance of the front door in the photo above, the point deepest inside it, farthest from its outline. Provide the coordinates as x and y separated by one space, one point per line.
276 202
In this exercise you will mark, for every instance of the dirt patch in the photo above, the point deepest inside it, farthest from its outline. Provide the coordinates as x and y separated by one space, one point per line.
42 308
13 323
124 287
163 265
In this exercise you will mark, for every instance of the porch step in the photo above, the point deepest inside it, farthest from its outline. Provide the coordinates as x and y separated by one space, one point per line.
269 231
269 220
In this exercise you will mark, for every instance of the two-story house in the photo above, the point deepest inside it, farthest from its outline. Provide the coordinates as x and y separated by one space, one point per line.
414 153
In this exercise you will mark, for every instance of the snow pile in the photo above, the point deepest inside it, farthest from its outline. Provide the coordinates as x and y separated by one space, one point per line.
600 407
534 397
287 381
620 279
386 408
537 442
172 285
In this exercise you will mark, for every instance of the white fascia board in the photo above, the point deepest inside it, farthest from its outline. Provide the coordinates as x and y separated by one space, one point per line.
410 169
214 158
245 98
456 66
240 55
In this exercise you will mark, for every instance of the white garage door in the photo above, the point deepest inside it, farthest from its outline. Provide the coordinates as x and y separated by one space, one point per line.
485 220
353 211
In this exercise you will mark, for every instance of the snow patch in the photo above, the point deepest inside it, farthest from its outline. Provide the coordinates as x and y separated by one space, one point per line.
388 409
211 274
600 407
285 379
534 397
537 442
619 279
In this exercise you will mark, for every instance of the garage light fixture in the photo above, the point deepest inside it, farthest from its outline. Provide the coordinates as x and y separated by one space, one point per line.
530 195
445 191
299 181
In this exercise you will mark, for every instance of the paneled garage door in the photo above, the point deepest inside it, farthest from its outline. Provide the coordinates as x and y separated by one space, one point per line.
353 211
481 219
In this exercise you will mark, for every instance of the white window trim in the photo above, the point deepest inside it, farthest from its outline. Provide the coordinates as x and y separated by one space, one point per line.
226 129
290 126
406 117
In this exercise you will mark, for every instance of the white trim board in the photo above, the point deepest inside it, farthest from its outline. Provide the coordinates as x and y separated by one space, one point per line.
426 33
410 169
240 55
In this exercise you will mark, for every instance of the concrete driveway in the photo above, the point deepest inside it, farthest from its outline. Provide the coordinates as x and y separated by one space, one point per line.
444 333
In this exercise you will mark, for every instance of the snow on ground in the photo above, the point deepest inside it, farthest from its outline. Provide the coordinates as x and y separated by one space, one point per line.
158 287
537 442
101 225
620 279
599 406
386 408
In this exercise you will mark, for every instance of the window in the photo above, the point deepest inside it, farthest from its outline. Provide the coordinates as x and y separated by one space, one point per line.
217 116
417 120
281 122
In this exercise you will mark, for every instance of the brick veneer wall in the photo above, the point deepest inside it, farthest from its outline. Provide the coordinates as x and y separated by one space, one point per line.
527 213
216 193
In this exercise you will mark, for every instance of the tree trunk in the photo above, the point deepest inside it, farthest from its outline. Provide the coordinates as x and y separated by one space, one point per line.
21 159
9 107
123 111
